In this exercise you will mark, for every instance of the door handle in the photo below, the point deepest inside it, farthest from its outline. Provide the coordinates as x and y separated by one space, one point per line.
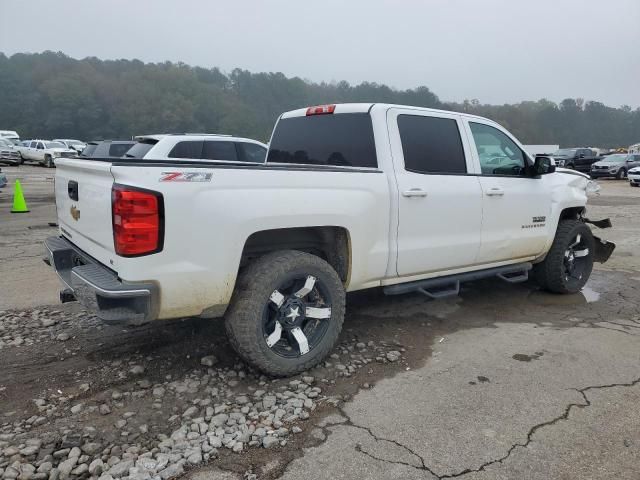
495 192
414 192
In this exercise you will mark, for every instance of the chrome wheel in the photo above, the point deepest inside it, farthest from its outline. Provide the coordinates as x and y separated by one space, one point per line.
297 316
576 258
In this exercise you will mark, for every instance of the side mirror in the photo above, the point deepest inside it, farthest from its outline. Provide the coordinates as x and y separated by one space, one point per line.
543 166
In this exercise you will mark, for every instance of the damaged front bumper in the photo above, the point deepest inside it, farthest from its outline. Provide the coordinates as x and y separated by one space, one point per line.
604 249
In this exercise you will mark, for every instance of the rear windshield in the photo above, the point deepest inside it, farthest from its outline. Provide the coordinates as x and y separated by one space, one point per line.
344 139
119 149
140 149
88 150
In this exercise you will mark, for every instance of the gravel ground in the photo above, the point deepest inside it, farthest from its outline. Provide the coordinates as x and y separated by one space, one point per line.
81 399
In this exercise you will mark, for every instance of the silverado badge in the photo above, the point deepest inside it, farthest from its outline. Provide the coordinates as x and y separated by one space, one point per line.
75 213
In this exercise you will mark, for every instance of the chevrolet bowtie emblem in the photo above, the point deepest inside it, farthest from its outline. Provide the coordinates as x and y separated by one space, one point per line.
75 213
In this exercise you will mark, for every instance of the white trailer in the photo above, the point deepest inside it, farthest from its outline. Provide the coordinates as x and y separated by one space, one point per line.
534 150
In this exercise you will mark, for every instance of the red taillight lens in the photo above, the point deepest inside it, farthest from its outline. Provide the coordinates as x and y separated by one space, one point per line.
321 110
137 221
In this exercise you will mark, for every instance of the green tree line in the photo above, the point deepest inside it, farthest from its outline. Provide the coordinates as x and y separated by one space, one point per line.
50 95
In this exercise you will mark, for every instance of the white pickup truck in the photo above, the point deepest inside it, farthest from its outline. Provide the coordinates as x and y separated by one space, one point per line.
352 196
45 152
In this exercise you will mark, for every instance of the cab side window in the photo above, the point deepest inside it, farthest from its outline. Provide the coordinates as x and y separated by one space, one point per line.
431 145
499 155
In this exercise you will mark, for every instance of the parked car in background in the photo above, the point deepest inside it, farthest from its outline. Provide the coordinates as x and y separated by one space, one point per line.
200 146
76 145
45 152
106 148
8 152
616 165
579 159
634 177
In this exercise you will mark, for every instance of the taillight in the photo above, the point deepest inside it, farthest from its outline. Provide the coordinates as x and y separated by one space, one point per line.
321 110
137 221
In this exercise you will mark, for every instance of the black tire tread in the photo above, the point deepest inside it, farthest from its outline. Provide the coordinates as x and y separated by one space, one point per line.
246 304
547 272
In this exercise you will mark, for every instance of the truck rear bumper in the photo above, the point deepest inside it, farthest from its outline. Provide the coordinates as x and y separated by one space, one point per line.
98 288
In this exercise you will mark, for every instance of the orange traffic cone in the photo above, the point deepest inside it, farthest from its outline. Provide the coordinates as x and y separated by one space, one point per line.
19 204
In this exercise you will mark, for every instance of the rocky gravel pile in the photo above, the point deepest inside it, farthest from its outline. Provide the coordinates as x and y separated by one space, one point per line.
27 328
147 425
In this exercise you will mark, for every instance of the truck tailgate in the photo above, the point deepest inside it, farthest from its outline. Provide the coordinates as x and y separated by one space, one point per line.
83 201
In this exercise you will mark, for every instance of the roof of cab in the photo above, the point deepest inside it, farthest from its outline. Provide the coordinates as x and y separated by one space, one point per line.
367 107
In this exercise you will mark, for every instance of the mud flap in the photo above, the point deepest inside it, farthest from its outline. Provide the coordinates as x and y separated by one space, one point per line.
603 251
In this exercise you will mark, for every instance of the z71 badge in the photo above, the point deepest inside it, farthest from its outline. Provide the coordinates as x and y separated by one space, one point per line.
185 177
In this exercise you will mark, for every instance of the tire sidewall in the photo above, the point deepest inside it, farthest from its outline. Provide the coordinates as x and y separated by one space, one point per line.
256 292
561 244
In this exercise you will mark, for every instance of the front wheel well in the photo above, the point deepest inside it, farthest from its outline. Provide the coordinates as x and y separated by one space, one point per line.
572 213
327 242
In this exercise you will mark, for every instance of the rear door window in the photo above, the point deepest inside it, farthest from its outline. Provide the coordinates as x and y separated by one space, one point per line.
187 149
344 139
219 150
251 152
431 145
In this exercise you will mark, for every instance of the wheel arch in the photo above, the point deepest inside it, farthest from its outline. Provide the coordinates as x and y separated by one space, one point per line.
571 213
331 243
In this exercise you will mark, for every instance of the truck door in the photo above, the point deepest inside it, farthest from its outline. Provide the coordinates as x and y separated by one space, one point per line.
439 203
39 152
516 206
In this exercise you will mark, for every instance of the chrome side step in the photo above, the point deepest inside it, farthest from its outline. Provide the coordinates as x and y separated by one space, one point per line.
449 285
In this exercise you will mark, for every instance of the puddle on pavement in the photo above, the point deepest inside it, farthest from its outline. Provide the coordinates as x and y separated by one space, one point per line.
586 295
590 295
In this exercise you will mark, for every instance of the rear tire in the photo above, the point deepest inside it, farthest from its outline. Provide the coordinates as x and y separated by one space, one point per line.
622 173
48 162
253 313
569 262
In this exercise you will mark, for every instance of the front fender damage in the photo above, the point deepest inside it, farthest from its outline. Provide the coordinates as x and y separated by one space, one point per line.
604 248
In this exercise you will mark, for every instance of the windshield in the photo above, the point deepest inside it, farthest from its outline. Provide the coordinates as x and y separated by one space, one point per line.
564 152
617 158
54 145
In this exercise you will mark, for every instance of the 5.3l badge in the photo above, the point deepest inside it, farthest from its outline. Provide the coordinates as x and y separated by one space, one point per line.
185 177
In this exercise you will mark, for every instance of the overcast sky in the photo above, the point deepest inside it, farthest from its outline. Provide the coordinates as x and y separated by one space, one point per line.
498 51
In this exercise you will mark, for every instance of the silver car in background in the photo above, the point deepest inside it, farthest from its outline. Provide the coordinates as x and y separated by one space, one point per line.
616 165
